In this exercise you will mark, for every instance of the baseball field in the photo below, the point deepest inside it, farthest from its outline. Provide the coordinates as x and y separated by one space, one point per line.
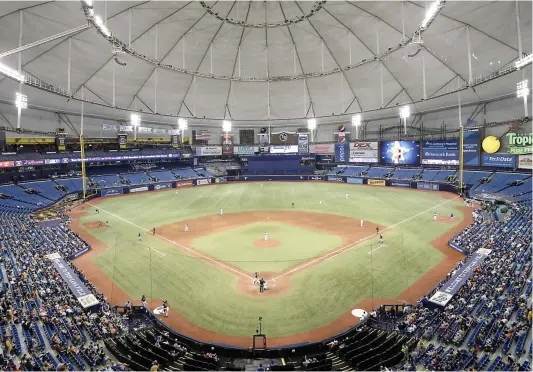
319 262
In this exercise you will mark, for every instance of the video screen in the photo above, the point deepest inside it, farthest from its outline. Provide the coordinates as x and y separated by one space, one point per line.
400 152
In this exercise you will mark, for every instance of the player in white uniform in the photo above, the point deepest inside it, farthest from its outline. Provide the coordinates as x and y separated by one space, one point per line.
362 223
320 202
186 227
221 211
346 196
265 236
434 216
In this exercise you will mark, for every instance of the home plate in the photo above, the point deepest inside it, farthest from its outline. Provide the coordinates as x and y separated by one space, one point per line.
359 313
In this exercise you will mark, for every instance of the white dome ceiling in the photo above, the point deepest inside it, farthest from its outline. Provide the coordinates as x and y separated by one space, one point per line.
313 59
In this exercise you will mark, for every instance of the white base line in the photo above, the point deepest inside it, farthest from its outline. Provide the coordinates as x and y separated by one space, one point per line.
173 242
160 253
346 248
381 246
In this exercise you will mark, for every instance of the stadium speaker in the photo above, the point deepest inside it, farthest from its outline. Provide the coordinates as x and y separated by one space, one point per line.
263 130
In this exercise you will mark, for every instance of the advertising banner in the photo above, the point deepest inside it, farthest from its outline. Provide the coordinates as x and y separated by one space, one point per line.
208 150
144 130
471 147
162 186
441 152
498 160
518 143
284 138
73 281
245 150
175 140
205 181
400 184
335 179
328 148
461 276
342 137
7 164
183 184
315 178
427 186
524 162
122 140
303 143
138 189
364 152
400 152
113 158
110 127
358 181
376 182
342 152
113 191
284 149
126 128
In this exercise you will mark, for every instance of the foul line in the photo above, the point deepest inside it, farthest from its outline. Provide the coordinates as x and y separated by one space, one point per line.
381 246
173 242
348 247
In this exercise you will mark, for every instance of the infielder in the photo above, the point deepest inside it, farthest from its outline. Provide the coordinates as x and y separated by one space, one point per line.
256 278
320 202
139 237
221 211
362 223
434 216
265 236
346 196
186 227
380 239
451 216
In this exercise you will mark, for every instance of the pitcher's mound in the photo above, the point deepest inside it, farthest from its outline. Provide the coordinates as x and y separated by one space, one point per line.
271 243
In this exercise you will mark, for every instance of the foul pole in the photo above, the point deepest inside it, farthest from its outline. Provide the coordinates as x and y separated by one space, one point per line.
83 174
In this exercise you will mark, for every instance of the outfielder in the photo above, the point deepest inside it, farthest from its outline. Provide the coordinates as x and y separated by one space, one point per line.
221 211
434 216
346 196
380 239
139 237
186 227
320 202
265 236
362 223
451 216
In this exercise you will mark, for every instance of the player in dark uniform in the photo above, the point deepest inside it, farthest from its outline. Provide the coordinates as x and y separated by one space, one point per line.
153 230
377 230
293 204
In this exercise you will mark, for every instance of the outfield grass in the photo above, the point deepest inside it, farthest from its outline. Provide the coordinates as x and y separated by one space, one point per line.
206 294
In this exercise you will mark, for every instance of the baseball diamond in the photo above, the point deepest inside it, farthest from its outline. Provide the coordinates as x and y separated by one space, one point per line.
317 256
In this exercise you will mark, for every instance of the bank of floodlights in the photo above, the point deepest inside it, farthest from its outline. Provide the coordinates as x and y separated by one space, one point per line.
182 124
135 120
226 126
356 123
21 101
522 91
311 124
405 112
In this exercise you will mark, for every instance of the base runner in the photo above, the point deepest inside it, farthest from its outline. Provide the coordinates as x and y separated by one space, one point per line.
186 227
265 235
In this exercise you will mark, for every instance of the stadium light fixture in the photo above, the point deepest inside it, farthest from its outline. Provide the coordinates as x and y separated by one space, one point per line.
13 74
356 122
135 120
226 126
431 13
21 102
101 26
311 124
524 61
522 91
405 112
182 124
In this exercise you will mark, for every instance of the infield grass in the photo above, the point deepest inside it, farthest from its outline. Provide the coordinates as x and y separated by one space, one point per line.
206 293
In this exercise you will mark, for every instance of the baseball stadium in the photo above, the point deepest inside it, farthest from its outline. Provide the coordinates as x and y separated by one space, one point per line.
266 185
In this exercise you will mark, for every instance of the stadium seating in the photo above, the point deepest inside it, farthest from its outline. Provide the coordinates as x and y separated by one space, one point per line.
436 175
72 184
134 178
162 176
405 173
378 172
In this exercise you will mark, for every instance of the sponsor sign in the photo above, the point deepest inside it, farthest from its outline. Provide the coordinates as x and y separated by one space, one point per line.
471 147
283 149
138 189
220 179
335 179
519 143
400 184
315 178
79 253
162 186
7 164
303 143
376 182
124 157
245 150
323 148
358 181
73 281
342 137
441 298
144 130
113 191
51 161
122 140
110 127
126 128
427 186
227 150
205 181
488 196
524 161
208 150
183 184
400 152
441 152
342 152
498 160
461 276
364 152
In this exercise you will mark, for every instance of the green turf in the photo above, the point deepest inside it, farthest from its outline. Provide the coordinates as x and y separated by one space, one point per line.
206 294
295 245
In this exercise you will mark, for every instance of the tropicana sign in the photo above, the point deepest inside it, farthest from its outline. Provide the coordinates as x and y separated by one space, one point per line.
520 143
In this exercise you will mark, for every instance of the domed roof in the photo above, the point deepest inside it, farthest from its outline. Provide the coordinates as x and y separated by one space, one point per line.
267 60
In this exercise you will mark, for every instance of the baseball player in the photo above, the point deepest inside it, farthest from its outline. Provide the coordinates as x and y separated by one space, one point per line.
139 237
346 196
265 236
434 216
153 230
256 278
320 202
186 227
380 239
143 300
165 308
261 185
221 211
293 204
362 223
377 230
451 216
